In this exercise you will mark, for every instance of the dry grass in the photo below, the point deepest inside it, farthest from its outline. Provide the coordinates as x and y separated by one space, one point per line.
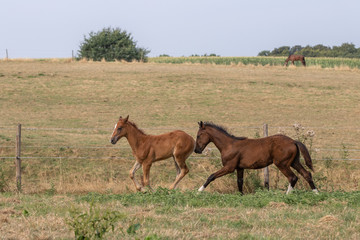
86 98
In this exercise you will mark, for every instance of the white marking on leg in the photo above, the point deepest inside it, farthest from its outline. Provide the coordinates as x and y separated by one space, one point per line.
315 191
289 190
201 189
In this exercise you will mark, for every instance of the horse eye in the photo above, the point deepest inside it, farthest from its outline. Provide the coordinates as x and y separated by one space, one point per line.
119 128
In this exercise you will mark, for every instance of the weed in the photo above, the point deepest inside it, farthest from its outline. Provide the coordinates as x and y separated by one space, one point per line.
304 136
152 237
257 134
133 228
344 153
5 138
328 162
252 181
52 190
4 186
93 224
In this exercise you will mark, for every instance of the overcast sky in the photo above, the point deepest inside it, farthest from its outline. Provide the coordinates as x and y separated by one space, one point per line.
52 29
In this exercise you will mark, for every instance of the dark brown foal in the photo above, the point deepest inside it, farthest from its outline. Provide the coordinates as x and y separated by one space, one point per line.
239 153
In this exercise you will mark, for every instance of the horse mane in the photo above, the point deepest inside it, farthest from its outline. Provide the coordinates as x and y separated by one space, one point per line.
135 126
223 130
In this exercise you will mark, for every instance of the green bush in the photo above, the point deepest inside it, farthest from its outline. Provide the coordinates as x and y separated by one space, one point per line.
111 44
93 224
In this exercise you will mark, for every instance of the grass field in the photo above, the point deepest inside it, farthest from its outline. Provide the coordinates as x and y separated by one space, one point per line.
168 214
68 110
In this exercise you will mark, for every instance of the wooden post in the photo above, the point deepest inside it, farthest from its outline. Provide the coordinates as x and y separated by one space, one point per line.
18 159
7 55
266 170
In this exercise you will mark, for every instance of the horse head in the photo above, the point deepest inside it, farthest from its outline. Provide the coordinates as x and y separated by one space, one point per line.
119 130
202 138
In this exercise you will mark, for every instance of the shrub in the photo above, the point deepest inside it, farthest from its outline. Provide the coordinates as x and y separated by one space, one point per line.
111 44
93 224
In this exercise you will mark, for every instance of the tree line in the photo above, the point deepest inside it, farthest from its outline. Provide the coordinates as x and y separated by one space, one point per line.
345 50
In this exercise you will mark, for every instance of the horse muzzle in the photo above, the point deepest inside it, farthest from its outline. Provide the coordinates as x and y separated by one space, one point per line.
198 150
113 140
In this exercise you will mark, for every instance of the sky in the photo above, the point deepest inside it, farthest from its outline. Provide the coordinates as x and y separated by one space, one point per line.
53 29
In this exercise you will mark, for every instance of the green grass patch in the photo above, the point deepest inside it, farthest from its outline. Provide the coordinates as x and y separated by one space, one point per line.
169 198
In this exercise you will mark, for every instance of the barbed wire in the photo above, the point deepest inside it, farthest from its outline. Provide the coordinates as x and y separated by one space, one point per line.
122 158
154 128
172 128
112 147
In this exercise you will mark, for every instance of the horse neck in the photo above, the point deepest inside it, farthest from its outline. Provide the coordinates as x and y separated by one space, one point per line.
220 139
135 137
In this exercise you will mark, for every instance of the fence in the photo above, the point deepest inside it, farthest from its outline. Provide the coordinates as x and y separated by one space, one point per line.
30 144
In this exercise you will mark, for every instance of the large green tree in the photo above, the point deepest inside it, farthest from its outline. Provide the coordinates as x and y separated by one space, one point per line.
111 44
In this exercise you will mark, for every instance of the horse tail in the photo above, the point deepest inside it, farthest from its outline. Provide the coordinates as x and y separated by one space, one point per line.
304 151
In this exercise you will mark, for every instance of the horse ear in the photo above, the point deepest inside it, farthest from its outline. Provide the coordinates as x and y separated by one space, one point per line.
120 117
126 119
201 124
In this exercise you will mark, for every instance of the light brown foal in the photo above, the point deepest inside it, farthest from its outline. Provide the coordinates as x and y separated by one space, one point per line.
151 148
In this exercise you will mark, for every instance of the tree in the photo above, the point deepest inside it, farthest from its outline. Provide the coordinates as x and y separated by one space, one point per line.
281 51
295 49
264 53
111 44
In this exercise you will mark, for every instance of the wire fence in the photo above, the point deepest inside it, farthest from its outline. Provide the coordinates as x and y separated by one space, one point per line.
45 156
33 142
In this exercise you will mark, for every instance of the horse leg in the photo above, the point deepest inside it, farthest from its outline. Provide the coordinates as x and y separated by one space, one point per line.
240 179
306 174
225 170
292 178
177 167
146 171
182 170
136 167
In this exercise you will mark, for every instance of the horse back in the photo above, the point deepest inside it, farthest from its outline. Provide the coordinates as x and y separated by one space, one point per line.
167 144
259 153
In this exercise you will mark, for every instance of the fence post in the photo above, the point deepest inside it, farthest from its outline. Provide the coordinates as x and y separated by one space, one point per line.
266 169
18 159
7 55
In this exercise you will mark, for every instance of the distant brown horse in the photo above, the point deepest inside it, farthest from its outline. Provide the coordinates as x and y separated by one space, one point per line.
239 153
150 148
294 58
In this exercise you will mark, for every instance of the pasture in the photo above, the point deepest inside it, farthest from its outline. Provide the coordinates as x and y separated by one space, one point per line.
68 111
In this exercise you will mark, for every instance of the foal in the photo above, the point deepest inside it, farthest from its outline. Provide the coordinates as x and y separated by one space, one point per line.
239 153
149 148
